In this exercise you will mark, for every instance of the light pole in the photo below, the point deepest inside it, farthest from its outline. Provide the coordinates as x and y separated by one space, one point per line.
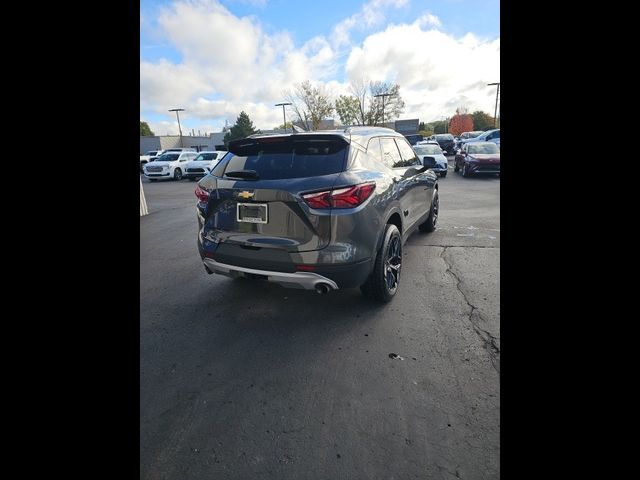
284 117
495 112
178 116
383 95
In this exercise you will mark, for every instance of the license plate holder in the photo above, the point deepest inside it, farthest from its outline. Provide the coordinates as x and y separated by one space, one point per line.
252 212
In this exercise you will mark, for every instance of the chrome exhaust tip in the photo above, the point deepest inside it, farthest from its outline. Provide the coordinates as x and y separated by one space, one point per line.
323 288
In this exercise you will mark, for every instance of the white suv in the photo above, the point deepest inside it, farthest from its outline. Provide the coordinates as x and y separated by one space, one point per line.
203 164
168 165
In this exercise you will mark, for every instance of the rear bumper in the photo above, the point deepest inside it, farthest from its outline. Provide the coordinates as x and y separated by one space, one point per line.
305 280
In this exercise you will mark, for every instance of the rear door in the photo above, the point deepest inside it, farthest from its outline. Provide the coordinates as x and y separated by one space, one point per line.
257 203
420 187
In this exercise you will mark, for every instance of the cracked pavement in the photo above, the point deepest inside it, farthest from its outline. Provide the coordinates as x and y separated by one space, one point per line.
242 379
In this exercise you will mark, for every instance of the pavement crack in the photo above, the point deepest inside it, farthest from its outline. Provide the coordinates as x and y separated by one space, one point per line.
489 342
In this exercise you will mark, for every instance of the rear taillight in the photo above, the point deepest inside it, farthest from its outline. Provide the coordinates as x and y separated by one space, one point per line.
348 197
203 195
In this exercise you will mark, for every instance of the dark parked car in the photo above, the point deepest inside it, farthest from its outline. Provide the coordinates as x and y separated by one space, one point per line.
318 210
478 157
446 142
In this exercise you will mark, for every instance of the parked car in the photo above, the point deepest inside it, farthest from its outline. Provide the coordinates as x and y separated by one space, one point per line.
185 149
466 136
446 142
320 210
202 164
149 156
413 139
478 157
488 136
168 165
432 157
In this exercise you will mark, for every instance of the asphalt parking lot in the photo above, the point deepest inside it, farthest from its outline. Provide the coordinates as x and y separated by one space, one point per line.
243 379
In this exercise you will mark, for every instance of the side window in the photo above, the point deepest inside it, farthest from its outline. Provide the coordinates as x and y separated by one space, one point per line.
496 134
409 157
373 149
390 153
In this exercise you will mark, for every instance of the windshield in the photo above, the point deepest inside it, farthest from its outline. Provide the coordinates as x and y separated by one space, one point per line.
167 157
444 136
151 153
427 149
484 148
206 156
289 159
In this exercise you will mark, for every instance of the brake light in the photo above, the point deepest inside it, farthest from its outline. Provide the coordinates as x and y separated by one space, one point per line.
348 197
305 268
203 195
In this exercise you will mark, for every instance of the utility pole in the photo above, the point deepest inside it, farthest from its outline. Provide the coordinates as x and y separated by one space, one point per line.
178 116
284 116
495 112
383 95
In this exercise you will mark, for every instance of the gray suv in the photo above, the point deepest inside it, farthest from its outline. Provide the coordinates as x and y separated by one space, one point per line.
320 210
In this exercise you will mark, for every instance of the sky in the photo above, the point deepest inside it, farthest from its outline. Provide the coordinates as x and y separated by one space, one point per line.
216 58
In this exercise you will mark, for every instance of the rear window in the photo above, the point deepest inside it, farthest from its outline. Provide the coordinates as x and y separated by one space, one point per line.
444 137
282 159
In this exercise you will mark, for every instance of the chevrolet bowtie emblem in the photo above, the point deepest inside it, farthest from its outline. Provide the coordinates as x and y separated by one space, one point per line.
245 195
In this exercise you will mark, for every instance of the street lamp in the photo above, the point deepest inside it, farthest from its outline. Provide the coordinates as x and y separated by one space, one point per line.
383 95
284 117
495 112
177 115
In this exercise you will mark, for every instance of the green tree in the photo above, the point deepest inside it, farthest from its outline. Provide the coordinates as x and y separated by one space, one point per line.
310 104
145 131
241 129
348 109
482 120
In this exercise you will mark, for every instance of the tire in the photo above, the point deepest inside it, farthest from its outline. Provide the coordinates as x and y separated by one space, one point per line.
177 174
443 174
382 284
429 224
456 168
465 173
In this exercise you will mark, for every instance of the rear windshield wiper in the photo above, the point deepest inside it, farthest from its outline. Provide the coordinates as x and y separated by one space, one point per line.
248 174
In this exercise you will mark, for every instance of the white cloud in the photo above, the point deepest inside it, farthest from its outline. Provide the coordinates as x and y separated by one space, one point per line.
436 71
371 13
229 64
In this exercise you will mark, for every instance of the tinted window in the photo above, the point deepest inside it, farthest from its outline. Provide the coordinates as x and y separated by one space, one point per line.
390 153
206 156
409 157
167 157
288 158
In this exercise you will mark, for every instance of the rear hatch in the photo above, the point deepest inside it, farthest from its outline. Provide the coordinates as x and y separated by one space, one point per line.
256 204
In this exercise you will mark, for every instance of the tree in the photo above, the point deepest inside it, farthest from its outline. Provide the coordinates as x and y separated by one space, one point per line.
369 108
282 126
482 120
145 131
348 109
460 122
241 129
310 104
393 104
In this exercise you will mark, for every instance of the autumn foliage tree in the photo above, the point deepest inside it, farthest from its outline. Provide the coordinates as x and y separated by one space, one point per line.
460 122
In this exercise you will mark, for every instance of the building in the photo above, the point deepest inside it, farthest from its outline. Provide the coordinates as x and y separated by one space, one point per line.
407 127
214 141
